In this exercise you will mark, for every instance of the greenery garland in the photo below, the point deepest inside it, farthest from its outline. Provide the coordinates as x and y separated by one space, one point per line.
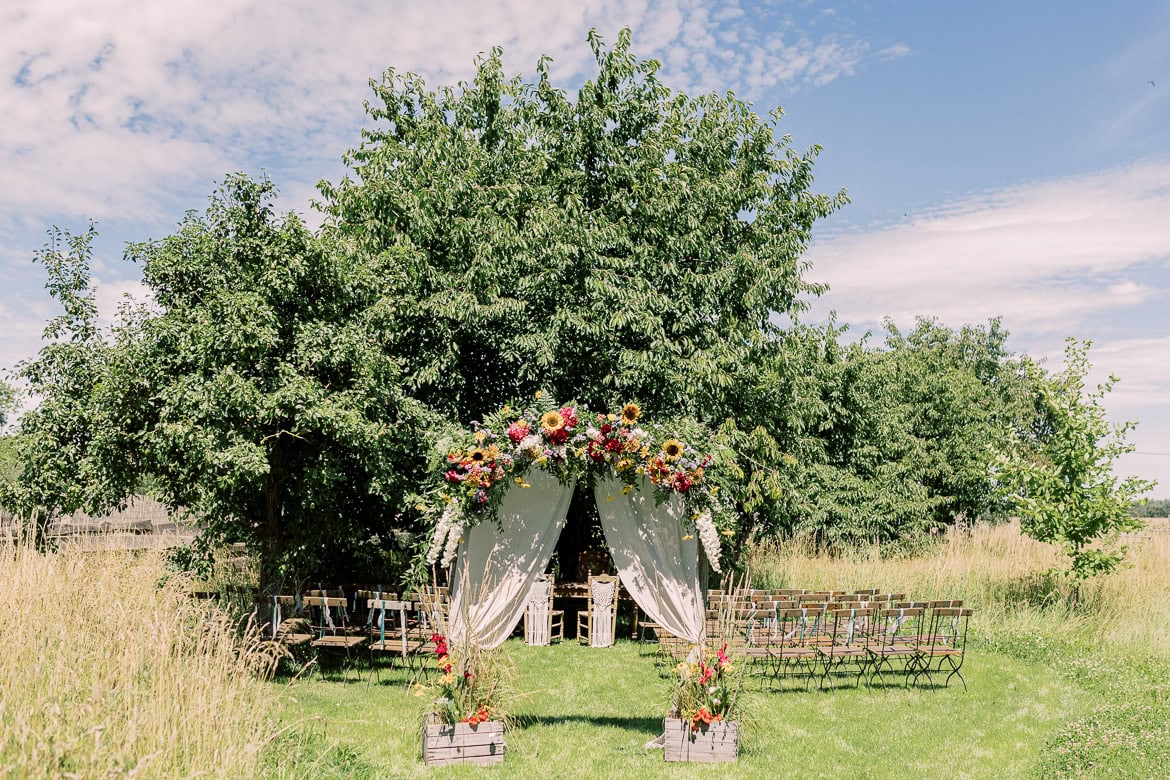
682 457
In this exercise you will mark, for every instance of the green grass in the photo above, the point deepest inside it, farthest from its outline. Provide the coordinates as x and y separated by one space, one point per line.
587 712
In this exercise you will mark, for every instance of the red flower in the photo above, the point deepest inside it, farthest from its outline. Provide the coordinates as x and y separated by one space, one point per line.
702 717
517 431
569 415
605 429
559 436
454 476
613 445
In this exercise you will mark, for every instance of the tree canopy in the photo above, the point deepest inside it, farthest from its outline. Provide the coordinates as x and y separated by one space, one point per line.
1065 488
629 243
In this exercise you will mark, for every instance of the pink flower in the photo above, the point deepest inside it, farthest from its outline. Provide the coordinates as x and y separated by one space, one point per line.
517 431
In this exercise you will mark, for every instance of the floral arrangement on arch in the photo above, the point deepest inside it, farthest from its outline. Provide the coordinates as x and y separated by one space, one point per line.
706 689
571 442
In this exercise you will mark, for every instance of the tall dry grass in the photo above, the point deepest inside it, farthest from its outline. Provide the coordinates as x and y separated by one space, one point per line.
1007 578
105 673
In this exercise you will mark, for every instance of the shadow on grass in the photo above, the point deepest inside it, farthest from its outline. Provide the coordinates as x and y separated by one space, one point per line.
651 727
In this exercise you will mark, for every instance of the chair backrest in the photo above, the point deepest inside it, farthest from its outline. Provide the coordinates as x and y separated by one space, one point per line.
603 598
330 614
948 627
392 625
539 611
799 626
851 626
899 625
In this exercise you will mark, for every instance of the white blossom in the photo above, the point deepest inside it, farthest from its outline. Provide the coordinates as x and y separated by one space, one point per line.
531 444
709 536
449 527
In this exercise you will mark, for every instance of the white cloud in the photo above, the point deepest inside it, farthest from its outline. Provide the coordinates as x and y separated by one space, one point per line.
895 52
113 108
1043 255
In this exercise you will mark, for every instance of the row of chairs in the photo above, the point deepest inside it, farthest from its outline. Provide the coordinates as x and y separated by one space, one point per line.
869 635
368 623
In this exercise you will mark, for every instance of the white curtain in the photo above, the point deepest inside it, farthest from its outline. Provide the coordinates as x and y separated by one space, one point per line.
496 566
659 568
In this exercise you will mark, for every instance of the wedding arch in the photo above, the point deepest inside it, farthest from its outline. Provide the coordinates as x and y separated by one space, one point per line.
664 497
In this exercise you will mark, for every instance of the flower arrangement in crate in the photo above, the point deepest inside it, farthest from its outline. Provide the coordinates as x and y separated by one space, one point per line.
706 689
473 685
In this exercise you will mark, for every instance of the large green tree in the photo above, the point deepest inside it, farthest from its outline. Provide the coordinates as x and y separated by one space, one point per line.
626 242
1064 483
255 389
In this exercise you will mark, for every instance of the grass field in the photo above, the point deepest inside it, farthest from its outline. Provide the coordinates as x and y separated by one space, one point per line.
589 711
110 673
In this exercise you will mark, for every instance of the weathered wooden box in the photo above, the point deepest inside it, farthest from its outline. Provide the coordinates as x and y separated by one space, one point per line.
462 743
718 742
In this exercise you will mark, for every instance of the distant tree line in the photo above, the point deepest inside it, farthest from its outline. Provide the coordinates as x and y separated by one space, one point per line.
1152 508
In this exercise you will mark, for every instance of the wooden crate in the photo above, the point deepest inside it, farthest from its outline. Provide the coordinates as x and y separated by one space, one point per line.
718 742
461 743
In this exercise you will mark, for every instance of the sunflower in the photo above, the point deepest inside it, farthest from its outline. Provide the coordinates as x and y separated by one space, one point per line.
477 455
630 414
552 421
671 449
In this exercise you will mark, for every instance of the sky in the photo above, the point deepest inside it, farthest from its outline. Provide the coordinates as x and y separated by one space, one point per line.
1001 158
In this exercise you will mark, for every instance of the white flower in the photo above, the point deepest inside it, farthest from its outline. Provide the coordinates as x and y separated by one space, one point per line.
709 536
446 536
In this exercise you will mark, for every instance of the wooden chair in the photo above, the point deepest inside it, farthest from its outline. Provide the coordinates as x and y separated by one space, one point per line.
333 633
542 623
389 633
894 642
597 625
945 646
287 625
792 648
848 645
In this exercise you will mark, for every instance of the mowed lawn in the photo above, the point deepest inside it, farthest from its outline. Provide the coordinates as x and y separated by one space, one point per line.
586 712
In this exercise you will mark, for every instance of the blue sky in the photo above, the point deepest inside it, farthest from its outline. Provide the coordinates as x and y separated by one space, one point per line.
1006 159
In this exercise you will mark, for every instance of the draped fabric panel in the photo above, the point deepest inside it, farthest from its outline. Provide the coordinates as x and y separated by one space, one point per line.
659 568
496 565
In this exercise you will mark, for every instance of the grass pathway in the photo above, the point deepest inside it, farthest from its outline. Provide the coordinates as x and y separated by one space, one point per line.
587 713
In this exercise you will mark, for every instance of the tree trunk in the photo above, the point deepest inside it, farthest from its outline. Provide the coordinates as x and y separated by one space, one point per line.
272 545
